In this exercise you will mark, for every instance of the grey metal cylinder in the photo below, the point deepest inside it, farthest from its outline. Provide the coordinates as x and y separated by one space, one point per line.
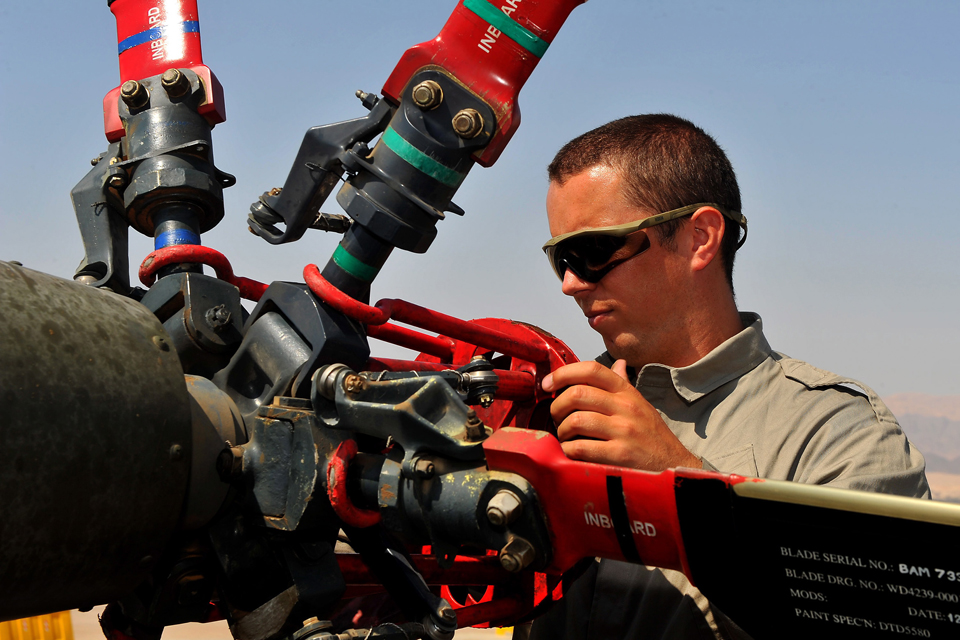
95 443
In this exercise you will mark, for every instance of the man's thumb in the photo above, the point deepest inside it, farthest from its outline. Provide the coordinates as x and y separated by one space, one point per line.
620 368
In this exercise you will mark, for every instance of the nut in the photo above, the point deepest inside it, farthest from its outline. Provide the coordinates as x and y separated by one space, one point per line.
505 507
353 383
427 95
517 554
447 613
175 83
217 317
468 123
134 94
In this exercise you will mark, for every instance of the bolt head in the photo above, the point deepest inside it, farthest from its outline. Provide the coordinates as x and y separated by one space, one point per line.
447 613
517 554
486 400
427 95
468 123
116 181
175 83
134 94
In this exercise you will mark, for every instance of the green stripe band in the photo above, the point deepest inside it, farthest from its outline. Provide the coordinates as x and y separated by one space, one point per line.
359 270
505 24
420 160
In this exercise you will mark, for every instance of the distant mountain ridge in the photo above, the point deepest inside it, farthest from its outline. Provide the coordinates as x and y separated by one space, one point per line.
933 425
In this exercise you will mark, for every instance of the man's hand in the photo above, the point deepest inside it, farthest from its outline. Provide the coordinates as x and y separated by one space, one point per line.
602 418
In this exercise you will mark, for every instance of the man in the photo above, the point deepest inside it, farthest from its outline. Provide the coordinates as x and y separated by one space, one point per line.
645 218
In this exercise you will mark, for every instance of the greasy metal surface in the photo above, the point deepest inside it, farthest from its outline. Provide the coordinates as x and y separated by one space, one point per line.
95 430
216 420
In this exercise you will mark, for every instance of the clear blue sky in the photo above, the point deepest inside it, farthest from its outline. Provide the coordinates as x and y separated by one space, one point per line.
840 119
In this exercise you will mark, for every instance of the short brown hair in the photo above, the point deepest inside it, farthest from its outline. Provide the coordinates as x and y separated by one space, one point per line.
666 163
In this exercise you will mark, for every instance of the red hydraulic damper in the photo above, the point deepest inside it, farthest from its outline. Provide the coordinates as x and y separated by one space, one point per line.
196 254
604 511
421 317
153 36
337 489
491 48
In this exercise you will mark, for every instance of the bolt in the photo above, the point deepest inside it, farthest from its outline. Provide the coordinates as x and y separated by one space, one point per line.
275 191
475 428
95 161
427 95
176 452
353 383
161 343
486 400
468 123
505 507
424 469
517 554
217 317
447 614
117 180
134 94
176 83
230 463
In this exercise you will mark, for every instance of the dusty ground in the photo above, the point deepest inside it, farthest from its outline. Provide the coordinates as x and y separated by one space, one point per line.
86 627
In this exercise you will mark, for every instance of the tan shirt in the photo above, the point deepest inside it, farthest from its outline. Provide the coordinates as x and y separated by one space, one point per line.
743 409
747 409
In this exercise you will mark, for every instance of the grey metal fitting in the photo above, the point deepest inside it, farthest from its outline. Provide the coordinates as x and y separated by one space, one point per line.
505 507
326 379
134 94
517 554
468 123
427 95
175 83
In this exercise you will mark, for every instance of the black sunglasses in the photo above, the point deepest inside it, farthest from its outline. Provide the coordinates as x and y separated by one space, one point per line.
593 253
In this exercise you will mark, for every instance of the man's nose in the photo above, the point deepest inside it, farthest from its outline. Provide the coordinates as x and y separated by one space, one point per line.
572 284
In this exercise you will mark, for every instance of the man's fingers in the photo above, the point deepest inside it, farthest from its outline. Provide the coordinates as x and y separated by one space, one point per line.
584 424
588 373
582 398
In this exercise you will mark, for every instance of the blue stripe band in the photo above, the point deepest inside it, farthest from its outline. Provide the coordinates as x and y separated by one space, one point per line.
187 26
175 237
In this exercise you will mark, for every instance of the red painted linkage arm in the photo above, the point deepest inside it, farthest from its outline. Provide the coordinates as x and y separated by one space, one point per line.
417 316
197 254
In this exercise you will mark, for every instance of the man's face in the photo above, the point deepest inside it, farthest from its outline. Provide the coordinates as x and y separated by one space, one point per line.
636 306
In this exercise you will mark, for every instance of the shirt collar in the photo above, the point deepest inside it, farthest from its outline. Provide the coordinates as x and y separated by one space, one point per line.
733 358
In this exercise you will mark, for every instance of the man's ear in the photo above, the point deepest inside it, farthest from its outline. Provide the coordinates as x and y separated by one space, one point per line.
706 229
